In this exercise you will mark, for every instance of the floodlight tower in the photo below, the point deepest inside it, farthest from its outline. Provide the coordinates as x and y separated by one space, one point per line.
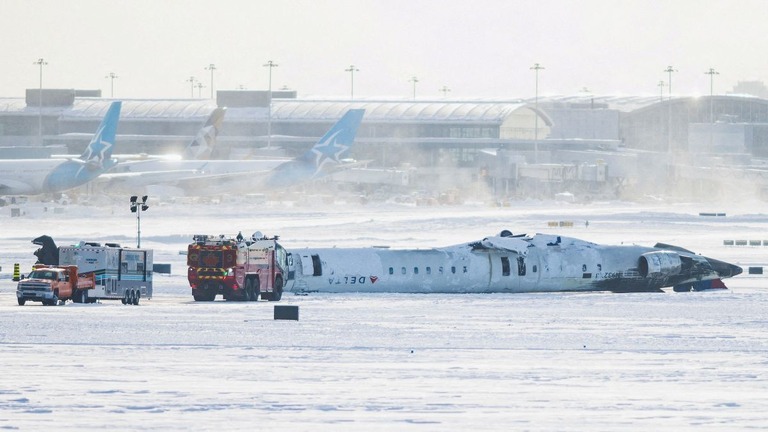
536 68
211 67
40 62
138 207
669 70
661 86
270 64
191 80
711 72
414 80
351 69
111 77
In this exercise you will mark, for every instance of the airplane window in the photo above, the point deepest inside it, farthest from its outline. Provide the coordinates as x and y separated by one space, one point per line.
391 270
415 270
534 268
403 270
505 266
465 269
453 269
599 267
429 270
440 269
583 267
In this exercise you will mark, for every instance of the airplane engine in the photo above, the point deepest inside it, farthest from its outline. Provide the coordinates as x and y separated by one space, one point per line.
660 263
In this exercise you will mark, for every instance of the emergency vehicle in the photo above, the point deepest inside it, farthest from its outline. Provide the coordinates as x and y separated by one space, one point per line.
237 268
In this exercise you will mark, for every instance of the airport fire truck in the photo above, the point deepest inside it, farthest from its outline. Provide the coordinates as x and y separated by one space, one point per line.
88 272
236 268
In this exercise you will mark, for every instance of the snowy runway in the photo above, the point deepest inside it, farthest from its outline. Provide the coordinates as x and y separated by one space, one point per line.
384 362
559 361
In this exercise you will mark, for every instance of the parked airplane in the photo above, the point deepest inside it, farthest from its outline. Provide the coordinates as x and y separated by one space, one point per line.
507 263
201 177
38 176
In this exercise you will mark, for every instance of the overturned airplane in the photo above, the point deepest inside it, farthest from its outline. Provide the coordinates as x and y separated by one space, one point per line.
507 263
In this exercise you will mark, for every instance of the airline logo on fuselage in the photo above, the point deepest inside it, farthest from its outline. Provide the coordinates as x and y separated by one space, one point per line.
352 280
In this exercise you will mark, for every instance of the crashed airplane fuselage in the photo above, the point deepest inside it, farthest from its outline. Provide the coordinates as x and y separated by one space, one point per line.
507 263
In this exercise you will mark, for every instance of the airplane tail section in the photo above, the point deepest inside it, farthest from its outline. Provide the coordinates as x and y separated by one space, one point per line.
98 154
325 156
202 146
96 159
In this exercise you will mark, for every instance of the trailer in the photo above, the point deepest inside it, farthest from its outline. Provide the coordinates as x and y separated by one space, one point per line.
121 273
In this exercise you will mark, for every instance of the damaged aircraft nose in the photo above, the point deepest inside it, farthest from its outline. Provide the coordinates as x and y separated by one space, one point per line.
724 269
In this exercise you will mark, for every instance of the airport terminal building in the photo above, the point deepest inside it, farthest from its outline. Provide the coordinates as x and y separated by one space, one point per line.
513 146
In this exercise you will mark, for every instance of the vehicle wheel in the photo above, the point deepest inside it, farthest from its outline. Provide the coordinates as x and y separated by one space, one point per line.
277 289
136 298
125 297
21 301
256 288
212 296
249 289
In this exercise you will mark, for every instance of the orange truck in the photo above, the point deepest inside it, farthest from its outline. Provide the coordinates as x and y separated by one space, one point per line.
51 284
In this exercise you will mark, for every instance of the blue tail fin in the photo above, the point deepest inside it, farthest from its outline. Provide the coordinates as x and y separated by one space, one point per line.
98 154
324 156
335 144
202 146
96 158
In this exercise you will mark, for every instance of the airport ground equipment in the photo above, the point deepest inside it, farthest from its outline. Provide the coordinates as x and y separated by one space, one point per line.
237 268
52 284
119 273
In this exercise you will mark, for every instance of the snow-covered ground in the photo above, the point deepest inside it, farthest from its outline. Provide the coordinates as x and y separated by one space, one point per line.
563 361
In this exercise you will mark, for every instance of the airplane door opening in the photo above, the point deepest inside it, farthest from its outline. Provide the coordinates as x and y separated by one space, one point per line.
316 266
505 266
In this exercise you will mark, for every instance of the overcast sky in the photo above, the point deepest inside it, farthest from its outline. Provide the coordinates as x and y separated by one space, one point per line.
477 49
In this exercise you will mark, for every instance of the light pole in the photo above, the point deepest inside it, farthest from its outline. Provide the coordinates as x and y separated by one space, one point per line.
414 80
669 70
536 68
711 72
138 207
352 69
661 86
40 62
270 64
200 87
444 90
191 80
211 67
111 77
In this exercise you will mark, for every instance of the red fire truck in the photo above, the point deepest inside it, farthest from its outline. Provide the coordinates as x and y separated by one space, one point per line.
239 269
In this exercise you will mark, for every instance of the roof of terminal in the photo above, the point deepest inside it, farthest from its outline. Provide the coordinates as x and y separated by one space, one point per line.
321 110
